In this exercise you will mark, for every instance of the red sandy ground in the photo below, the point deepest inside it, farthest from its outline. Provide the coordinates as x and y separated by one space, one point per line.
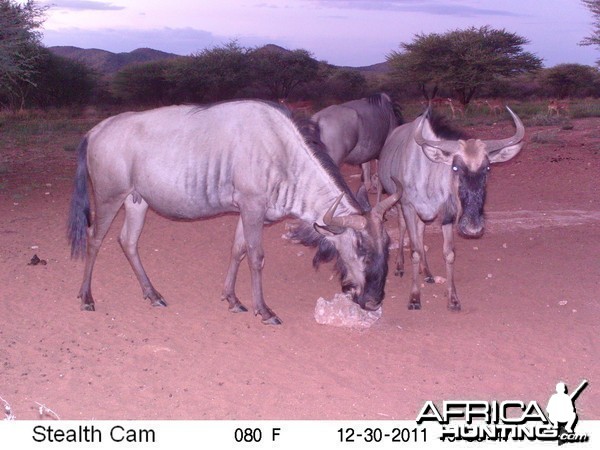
529 290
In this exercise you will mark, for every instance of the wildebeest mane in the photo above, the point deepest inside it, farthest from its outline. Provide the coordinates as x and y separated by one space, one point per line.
326 250
376 99
443 130
310 131
379 99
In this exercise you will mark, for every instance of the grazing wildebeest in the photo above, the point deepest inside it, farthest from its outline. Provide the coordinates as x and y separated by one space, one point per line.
443 175
246 157
354 132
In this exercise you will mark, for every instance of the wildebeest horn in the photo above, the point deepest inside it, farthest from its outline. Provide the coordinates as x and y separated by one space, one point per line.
381 207
445 146
496 145
354 221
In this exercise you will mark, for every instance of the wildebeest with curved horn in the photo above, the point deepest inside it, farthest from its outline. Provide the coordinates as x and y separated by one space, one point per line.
354 132
444 175
246 157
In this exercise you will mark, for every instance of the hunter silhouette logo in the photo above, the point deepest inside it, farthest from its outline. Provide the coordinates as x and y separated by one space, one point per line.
562 413
508 420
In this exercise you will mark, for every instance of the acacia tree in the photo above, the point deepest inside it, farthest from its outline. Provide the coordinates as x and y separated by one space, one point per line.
218 73
281 71
20 49
594 38
570 80
144 84
60 82
462 61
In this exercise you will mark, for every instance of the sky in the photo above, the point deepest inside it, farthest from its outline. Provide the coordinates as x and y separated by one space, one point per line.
342 32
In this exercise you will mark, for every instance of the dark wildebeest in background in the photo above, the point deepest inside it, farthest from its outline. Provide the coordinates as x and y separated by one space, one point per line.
444 175
246 157
354 132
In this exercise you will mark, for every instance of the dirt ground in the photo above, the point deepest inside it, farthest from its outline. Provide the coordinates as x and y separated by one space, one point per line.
529 289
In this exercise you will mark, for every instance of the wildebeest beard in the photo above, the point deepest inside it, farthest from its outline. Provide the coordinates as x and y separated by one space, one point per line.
376 264
471 192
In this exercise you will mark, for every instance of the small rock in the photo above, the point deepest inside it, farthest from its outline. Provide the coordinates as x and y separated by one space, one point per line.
341 311
563 302
439 280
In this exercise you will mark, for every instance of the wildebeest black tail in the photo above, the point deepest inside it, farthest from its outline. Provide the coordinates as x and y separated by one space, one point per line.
79 214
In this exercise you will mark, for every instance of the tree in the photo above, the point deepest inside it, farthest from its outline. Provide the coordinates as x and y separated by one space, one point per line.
594 7
144 84
60 82
281 71
20 49
594 38
462 61
333 85
219 73
571 80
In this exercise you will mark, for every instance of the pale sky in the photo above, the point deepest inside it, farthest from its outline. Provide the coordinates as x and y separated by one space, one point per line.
342 32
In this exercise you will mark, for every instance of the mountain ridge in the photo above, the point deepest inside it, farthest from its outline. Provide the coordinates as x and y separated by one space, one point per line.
108 63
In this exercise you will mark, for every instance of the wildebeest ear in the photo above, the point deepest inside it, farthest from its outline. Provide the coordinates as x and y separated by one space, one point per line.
328 230
362 196
437 155
506 153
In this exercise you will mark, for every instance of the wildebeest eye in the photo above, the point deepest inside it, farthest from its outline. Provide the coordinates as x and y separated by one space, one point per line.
455 168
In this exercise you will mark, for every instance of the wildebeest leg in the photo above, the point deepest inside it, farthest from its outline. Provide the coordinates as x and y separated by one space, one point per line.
402 230
371 182
448 233
104 215
135 214
366 174
238 252
416 251
253 220
424 267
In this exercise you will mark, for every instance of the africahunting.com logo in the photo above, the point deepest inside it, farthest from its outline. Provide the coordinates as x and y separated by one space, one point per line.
509 420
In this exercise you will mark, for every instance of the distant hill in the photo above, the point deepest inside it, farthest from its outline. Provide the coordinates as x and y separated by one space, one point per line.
106 62
383 67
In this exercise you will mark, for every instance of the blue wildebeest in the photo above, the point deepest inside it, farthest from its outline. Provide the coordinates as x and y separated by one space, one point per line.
443 175
246 157
354 132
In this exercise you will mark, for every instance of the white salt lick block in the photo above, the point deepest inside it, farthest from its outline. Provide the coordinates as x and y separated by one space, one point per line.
341 311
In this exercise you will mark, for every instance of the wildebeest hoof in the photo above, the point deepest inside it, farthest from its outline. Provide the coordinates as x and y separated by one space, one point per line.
160 302
371 306
273 320
399 273
238 308
454 307
429 279
88 307
414 306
